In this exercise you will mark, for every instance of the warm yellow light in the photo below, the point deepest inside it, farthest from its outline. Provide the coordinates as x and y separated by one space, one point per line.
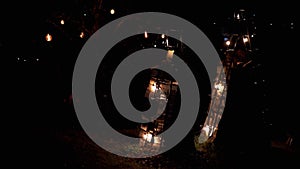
81 35
153 87
62 22
112 11
220 88
146 34
157 140
163 36
147 136
245 39
48 37
206 130
227 43
170 54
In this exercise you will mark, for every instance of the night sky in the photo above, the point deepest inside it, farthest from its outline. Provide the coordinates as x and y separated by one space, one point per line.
43 87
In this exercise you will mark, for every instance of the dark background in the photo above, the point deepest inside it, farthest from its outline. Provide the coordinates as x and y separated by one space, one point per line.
40 90
23 23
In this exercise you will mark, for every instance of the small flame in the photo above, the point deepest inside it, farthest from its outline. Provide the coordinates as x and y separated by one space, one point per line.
81 35
48 37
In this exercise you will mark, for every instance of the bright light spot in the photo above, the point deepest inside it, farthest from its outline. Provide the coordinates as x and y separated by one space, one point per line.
292 23
271 24
147 137
18 58
206 130
220 88
24 60
48 37
163 36
238 16
81 34
154 46
157 140
146 34
252 36
144 127
170 54
153 87
175 83
214 23
84 14
245 39
167 42
227 43
255 83
37 59
62 22
112 11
